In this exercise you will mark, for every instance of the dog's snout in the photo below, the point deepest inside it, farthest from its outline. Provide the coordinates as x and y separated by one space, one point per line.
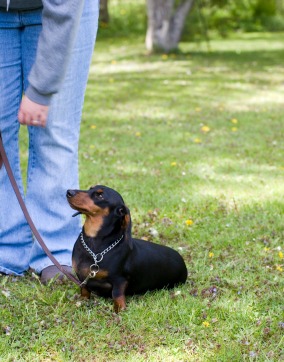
71 193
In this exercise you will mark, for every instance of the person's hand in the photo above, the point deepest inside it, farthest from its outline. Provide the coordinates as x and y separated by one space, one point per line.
32 114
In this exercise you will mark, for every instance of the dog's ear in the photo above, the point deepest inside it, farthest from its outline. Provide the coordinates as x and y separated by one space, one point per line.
121 210
124 213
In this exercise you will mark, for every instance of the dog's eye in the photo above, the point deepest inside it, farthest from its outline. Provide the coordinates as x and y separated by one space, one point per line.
99 195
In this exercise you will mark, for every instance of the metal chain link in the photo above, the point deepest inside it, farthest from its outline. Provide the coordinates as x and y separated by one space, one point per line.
101 255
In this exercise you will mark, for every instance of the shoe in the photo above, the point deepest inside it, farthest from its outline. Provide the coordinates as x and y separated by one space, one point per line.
52 272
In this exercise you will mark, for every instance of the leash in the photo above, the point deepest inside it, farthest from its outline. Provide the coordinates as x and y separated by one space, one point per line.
4 160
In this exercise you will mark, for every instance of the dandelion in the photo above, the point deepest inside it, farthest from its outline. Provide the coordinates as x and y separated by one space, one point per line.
173 164
205 129
281 255
234 129
165 56
197 109
111 80
113 62
93 126
279 268
206 324
197 140
234 120
138 134
211 254
189 222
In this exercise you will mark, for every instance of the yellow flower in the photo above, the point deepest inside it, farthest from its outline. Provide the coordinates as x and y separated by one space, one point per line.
266 249
93 126
173 164
211 254
111 80
138 134
113 62
234 120
279 268
206 324
197 140
205 129
197 109
165 56
234 129
189 222
281 255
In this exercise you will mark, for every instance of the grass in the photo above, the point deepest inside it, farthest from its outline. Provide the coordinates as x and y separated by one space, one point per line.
194 143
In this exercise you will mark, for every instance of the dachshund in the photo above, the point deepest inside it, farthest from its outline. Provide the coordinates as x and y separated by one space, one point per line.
108 261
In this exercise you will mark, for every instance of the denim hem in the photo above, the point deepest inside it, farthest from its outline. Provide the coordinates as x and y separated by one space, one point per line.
10 272
39 268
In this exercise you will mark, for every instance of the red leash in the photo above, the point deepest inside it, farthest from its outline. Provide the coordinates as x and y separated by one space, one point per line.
4 160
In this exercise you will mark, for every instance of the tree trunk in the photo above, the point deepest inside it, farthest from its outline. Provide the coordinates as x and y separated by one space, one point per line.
104 14
165 23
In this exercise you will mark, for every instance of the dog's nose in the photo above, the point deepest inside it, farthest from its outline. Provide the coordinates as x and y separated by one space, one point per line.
71 193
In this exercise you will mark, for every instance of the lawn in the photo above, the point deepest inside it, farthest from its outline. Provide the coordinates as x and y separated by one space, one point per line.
194 143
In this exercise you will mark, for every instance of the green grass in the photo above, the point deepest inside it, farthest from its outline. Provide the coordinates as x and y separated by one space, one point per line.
193 136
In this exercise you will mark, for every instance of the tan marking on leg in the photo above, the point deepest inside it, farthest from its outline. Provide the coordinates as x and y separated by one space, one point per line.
85 293
119 304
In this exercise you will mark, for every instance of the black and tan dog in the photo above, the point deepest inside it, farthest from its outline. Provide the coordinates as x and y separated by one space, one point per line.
108 261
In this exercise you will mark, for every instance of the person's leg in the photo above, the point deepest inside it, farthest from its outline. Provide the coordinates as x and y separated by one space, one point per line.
53 160
15 235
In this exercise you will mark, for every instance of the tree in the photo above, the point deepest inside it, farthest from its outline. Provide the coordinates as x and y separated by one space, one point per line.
166 20
104 14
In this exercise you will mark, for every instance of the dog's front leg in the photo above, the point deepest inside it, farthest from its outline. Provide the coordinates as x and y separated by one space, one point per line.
85 293
118 295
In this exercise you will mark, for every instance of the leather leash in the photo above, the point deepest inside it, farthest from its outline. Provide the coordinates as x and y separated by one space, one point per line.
4 160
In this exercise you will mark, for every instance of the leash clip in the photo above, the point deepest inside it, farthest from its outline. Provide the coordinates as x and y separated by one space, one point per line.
94 269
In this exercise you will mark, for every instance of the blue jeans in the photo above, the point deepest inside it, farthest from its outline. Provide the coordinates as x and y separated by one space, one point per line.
53 151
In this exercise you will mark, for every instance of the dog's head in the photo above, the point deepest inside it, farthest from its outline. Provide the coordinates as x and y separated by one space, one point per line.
104 209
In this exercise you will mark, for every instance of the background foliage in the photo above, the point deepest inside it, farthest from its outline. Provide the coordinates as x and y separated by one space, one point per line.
128 18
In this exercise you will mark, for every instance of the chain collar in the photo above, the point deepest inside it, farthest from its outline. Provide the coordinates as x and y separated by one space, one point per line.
94 268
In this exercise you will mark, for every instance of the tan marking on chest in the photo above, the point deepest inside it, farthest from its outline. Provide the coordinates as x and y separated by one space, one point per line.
101 274
93 225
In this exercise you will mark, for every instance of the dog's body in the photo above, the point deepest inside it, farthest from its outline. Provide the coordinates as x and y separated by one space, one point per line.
108 261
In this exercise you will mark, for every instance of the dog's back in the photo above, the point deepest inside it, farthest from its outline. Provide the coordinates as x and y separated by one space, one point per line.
151 266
